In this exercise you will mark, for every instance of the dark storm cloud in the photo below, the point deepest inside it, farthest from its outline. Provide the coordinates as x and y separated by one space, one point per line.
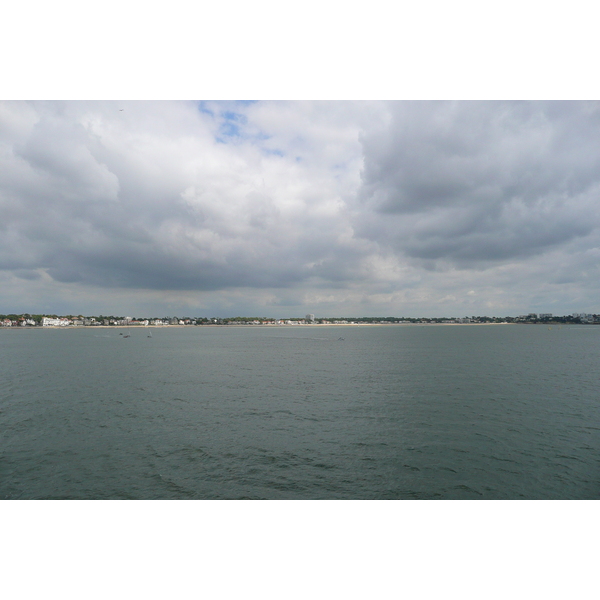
481 181
27 274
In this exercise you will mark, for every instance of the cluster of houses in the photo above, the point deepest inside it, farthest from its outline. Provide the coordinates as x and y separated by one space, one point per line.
81 322
547 317
22 322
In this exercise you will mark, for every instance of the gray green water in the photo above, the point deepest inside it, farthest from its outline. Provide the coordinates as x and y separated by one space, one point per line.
390 412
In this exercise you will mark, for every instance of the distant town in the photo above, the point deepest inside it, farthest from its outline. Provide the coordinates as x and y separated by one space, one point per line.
28 320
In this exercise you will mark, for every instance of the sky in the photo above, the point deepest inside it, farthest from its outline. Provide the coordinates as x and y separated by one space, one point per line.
283 208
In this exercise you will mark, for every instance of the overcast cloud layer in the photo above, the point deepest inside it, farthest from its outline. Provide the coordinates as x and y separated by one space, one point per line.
284 208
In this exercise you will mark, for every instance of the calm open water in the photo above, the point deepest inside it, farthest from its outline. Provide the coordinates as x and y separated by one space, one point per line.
415 412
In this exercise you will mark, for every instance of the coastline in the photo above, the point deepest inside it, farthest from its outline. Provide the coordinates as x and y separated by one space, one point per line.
136 327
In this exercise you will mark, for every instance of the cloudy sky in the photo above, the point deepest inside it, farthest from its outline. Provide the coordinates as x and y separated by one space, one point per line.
281 208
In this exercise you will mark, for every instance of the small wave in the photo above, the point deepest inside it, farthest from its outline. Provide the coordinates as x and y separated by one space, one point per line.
466 488
569 457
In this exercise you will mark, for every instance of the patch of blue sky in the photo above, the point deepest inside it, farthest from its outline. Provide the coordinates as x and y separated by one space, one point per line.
203 108
233 126
229 115
229 129
232 131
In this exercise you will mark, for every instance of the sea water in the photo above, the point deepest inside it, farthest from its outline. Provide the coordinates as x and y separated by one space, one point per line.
301 412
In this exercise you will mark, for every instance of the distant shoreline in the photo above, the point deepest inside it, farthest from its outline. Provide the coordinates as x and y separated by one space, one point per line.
135 327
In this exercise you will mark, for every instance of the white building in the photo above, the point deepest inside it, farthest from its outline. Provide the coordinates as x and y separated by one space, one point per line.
50 322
